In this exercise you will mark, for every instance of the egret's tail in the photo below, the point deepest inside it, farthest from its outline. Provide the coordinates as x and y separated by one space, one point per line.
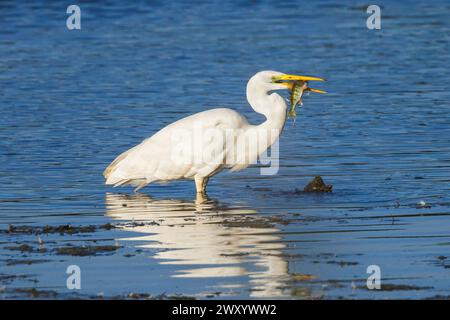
113 166
138 183
112 178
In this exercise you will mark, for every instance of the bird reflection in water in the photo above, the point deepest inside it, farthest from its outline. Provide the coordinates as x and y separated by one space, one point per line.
206 239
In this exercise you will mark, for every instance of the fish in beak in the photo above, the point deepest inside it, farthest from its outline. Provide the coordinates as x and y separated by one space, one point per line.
297 86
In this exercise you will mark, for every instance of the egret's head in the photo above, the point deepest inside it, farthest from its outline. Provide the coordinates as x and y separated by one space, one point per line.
274 80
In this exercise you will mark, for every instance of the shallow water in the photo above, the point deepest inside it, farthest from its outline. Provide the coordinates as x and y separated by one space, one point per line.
71 101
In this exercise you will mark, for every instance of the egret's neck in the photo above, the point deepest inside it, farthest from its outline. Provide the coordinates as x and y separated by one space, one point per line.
273 107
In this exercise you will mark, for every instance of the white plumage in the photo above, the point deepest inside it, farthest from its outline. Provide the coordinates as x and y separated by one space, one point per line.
201 145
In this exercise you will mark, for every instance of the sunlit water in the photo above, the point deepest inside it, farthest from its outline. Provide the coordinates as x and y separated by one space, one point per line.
71 101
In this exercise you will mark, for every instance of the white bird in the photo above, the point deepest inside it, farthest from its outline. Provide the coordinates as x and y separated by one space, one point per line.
199 146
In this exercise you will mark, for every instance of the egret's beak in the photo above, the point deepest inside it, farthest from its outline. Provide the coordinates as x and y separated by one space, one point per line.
289 79
315 90
292 77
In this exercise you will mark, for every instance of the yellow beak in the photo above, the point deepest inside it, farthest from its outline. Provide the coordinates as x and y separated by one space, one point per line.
292 77
315 90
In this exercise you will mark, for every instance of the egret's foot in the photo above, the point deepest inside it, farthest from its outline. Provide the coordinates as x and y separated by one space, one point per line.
201 197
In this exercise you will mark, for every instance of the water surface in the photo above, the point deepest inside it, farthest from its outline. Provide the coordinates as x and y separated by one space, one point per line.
70 101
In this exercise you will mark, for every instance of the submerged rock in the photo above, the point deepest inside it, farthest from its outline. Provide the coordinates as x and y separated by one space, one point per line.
317 185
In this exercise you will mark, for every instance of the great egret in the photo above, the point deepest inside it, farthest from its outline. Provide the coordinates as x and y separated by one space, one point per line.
199 146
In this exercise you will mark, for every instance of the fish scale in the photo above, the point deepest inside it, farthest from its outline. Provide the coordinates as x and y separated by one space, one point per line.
297 90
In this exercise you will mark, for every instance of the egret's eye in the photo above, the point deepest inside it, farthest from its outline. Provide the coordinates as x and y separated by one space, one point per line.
275 80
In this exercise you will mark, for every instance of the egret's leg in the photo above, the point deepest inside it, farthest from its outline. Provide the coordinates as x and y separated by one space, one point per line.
205 182
200 184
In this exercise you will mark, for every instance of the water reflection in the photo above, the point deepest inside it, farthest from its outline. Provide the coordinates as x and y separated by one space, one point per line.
207 239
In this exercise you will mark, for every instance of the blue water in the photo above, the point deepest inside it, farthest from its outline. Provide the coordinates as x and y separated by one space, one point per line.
71 101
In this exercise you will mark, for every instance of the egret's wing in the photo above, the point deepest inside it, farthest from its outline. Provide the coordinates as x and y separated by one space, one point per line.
170 154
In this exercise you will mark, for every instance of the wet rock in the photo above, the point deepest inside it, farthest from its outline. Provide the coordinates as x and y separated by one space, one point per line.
398 287
134 295
147 296
107 226
19 229
13 262
86 251
302 292
343 263
303 277
67 228
61 229
317 185
35 293
21 248
7 278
